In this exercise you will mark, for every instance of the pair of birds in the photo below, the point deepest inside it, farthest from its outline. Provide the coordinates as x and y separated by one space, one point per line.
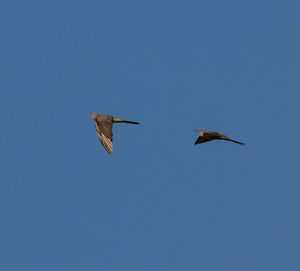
104 125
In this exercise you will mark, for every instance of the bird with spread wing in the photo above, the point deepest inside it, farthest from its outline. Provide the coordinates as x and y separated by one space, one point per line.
205 136
104 125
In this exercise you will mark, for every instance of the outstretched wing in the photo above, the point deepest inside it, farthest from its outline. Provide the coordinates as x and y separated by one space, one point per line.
104 132
207 136
201 139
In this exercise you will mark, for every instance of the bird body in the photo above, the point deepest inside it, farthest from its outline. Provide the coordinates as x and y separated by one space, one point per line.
206 136
104 125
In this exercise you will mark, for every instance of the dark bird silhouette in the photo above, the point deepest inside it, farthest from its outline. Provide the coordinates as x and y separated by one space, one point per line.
206 136
104 125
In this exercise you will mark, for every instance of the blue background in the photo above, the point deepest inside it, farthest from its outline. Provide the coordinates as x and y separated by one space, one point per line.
158 202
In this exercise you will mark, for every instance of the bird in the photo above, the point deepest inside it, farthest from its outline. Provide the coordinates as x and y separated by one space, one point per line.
206 136
103 126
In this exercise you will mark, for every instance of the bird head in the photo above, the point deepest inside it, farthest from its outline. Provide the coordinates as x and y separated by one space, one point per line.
200 132
93 115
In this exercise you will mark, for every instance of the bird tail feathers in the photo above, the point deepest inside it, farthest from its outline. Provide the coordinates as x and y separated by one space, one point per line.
125 121
132 122
228 139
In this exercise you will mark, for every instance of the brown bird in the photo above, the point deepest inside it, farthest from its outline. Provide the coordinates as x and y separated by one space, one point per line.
104 125
206 136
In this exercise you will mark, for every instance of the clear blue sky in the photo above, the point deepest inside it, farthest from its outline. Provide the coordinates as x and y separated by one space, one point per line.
158 202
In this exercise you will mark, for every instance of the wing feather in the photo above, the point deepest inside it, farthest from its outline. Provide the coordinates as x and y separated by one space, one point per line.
207 136
104 132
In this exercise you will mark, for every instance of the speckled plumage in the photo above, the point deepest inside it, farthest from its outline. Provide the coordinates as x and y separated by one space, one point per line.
104 125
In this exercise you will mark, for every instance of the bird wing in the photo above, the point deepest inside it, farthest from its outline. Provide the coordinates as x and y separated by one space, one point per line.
224 137
200 139
207 136
104 132
212 135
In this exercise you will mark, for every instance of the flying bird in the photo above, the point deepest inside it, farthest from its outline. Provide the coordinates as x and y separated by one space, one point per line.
206 136
104 125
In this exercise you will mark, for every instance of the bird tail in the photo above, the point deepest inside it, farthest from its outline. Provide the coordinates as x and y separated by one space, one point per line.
125 121
128 121
228 139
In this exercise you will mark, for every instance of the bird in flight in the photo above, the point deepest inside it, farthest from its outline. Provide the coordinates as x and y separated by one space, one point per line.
205 136
104 125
